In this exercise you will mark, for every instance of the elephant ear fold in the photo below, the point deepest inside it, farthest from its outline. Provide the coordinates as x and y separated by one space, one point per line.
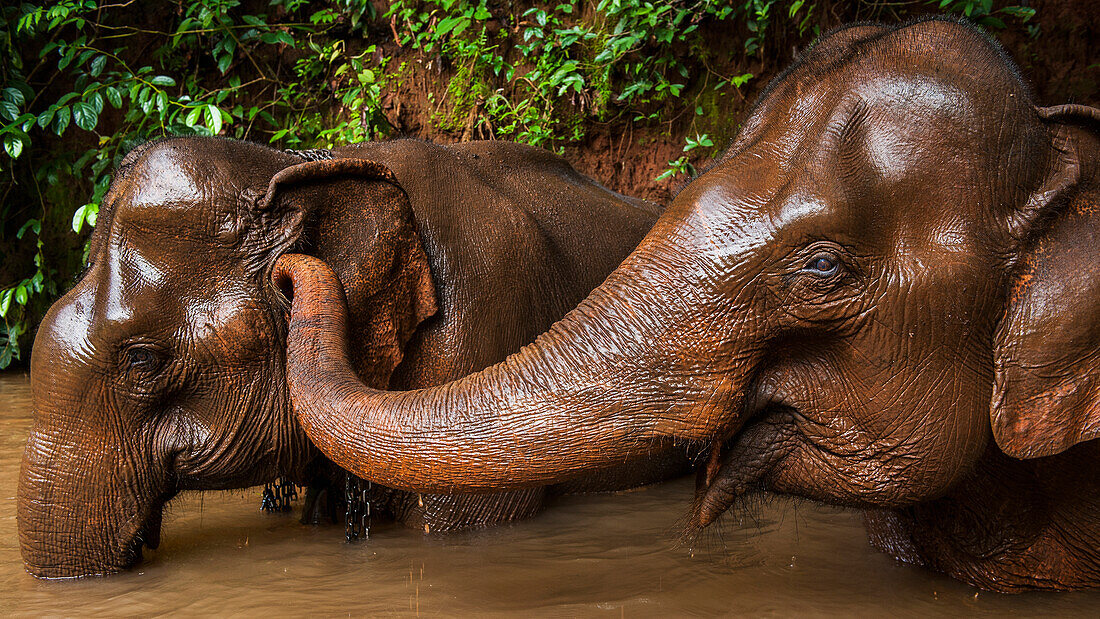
286 203
354 215
1046 395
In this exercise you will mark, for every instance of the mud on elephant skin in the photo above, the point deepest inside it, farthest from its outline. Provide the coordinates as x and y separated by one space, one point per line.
163 369
881 296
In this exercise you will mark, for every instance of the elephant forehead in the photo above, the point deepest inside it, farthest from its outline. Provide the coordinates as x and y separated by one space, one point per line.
165 177
918 94
167 196
909 121
146 286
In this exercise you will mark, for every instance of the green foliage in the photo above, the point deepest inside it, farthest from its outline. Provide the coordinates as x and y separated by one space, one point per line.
71 67
682 165
982 12
567 65
573 62
81 82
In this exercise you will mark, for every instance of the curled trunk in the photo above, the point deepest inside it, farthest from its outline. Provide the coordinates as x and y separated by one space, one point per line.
596 389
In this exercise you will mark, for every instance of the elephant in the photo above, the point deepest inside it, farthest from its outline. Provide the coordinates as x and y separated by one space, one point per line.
881 296
163 368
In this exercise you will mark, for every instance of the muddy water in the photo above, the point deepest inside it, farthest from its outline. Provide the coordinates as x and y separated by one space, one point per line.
594 555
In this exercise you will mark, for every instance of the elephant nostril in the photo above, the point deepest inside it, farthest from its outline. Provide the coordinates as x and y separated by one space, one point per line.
284 283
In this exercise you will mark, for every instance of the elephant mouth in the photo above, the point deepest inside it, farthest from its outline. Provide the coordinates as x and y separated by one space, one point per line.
148 536
143 532
740 465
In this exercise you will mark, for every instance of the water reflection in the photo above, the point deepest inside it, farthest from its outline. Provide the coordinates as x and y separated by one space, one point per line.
595 555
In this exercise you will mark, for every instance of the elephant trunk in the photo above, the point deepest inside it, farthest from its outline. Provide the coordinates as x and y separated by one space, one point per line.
86 503
598 388
73 522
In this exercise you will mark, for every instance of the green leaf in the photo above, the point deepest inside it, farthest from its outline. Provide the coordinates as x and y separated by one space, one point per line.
224 62
97 66
45 117
14 95
13 144
78 218
21 295
192 118
162 80
277 37
32 224
445 25
9 110
66 58
84 56
5 302
741 80
114 96
61 120
214 119
1023 13
85 116
96 100
992 22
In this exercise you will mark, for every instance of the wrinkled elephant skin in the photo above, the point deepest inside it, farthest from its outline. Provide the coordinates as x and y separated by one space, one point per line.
163 369
883 295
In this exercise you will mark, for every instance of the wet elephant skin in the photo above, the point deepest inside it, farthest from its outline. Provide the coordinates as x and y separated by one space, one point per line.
883 296
162 370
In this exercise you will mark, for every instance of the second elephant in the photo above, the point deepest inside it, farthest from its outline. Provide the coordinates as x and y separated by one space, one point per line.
163 369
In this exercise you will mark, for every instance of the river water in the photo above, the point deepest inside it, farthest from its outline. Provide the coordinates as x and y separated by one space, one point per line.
598 555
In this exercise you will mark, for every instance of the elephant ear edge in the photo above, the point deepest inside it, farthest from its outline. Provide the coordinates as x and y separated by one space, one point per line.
1046 393
391 290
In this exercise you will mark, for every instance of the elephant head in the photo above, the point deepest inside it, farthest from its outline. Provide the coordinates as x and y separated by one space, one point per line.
892 258
163 368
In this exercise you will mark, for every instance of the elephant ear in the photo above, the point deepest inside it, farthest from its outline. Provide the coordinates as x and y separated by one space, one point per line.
354 215
1046 395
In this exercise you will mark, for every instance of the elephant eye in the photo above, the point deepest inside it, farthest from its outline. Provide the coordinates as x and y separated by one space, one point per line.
822 265
140 358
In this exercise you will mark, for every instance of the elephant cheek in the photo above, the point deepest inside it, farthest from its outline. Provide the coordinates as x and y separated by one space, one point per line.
228 426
